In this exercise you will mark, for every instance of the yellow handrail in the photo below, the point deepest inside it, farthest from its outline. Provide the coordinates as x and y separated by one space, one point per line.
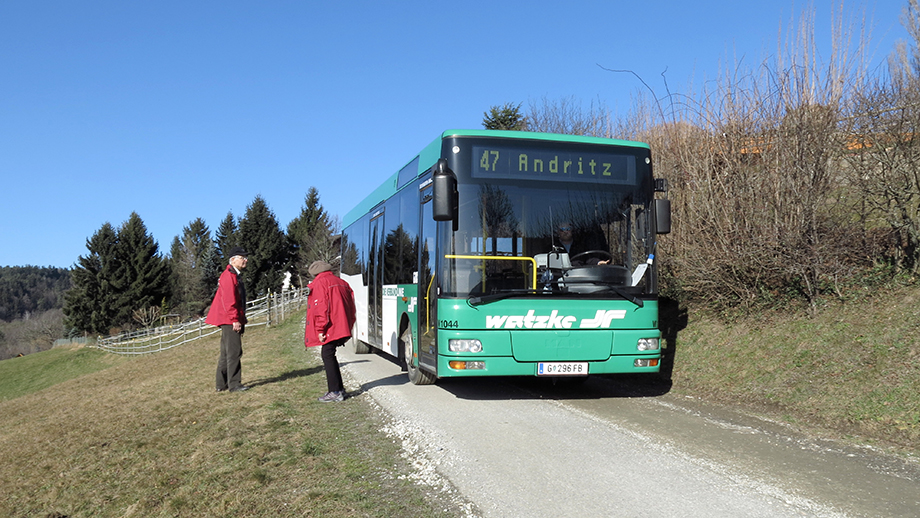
428 306
501 258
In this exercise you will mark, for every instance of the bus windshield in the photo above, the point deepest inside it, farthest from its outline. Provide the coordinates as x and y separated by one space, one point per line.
536 235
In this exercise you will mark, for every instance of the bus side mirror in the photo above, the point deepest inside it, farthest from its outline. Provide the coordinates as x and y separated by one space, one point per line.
445 197
663 216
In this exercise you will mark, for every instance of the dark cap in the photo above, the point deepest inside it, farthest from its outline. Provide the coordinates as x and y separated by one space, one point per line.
238 250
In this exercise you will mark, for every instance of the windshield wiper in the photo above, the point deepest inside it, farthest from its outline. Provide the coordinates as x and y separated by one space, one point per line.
632 298
485 299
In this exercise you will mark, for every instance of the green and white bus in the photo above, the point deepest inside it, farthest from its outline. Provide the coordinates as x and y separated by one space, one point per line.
504 253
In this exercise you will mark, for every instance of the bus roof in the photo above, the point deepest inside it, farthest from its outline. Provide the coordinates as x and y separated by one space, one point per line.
432 152
530 135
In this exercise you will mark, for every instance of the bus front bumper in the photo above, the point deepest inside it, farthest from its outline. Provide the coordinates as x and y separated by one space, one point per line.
466 366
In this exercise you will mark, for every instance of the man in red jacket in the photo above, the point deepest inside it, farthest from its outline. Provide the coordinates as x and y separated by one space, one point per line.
228 311
330 317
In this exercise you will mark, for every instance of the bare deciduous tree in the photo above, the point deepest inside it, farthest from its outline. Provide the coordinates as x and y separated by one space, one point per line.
566 116
789 179
761 211
885 147
147 317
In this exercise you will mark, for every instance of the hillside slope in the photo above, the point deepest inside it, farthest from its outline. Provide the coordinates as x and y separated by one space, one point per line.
87 433
849 370
149 436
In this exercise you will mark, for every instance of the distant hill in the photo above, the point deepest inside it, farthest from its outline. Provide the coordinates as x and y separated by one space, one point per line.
31 303
31 290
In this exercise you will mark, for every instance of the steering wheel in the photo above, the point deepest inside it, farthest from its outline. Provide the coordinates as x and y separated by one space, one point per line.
601 253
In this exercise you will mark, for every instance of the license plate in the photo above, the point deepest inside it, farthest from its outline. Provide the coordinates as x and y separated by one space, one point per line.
562 369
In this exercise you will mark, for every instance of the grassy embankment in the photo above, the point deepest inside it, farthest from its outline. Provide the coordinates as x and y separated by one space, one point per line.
87 433
849 371
149 437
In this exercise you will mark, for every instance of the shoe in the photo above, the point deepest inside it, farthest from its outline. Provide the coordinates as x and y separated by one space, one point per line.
241 388
332 396
222 390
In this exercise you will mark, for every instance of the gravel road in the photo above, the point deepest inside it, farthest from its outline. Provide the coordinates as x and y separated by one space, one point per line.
527 448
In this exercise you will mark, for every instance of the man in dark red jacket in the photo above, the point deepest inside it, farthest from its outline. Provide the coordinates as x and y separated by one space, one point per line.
228 311
330 317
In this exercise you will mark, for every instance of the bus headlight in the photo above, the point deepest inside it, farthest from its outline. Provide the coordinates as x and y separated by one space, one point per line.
457 345
647 344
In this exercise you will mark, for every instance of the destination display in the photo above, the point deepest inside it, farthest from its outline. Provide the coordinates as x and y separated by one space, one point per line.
549 164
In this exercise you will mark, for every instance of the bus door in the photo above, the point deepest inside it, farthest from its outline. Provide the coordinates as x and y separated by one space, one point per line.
375 281
427 286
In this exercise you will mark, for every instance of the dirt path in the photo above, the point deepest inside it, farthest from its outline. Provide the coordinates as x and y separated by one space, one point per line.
524 447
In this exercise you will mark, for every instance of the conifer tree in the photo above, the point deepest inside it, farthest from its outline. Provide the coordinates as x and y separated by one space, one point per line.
507 117
213 268
89 306
142 277
261 236
194 269
311 237
226 237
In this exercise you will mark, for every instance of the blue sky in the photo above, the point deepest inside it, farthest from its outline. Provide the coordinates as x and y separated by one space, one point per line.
180 110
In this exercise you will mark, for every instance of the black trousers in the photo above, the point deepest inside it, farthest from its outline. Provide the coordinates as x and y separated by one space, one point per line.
229 366
331 364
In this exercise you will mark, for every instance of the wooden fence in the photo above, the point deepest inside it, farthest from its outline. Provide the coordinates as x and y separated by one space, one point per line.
264 311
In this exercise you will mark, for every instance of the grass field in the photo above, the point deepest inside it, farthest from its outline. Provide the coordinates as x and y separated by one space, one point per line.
86 433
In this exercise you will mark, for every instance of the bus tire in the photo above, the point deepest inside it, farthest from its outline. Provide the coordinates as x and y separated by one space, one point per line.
361 347
416 375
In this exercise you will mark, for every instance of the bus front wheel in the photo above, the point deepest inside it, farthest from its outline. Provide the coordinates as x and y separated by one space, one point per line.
416 375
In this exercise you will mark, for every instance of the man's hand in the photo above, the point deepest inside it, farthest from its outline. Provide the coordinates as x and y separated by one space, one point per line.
237 326
321 336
